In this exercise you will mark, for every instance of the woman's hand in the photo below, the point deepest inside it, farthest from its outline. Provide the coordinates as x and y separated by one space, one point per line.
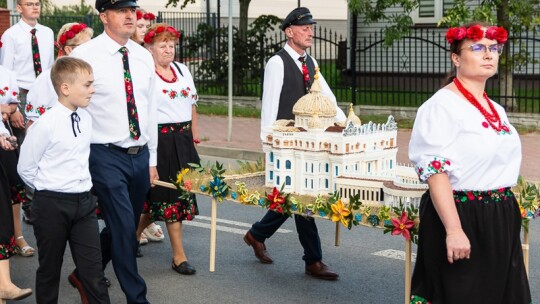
17 120
8 142
458 246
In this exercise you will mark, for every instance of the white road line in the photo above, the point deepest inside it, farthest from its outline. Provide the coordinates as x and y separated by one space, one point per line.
394 254
235 223
219 228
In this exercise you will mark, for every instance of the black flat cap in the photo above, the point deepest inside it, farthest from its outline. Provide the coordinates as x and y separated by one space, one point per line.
298 16
103 5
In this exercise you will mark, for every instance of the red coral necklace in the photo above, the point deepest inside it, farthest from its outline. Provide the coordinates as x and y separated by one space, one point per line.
493 118
173 80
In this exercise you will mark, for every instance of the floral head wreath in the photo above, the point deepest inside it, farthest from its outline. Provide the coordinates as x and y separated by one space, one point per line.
70 33
145 16
477 32
151 35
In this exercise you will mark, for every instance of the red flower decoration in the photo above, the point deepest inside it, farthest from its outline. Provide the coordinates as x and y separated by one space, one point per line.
148 16
149 37
160 29
505 129
276 200
6 88
485 124
70 33
41 110
167 213
29 107
164 130
497 33
475 32
470 195
455 34
184 93
188 185
436 164
403 226
139 14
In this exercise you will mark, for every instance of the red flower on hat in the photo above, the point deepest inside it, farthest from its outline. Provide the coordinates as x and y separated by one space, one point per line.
455 34
475 32
139 14
71 33
149 16
497 33
160 29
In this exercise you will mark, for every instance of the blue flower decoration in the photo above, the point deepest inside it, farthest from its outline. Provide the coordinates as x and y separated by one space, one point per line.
387 222
261 201
358 217
203 188
294 207
234 195
322 214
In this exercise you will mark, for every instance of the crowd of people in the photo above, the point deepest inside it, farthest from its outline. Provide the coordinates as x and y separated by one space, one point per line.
94 128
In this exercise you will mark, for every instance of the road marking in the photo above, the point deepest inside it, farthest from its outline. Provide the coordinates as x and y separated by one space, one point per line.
224 228
394 254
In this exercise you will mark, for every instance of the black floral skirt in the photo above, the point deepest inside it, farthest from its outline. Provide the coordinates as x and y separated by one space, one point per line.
7 240
175 150
9 160
495 272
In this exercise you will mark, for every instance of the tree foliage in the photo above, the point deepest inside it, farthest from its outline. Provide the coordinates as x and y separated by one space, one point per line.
248 54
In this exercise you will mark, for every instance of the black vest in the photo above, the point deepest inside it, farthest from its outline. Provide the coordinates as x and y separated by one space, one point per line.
293 84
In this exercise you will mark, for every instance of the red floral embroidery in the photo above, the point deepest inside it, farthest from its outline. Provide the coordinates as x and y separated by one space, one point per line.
41 110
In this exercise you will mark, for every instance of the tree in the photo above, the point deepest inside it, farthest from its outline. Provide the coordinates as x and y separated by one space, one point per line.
517 16
243 22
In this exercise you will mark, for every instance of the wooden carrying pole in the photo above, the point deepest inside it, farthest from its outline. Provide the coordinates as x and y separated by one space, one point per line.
212 225
525 247
408 263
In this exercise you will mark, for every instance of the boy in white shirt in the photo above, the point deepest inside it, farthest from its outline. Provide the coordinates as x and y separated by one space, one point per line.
54 161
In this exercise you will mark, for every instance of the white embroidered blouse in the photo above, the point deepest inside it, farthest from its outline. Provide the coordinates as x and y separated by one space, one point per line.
450 135
175 100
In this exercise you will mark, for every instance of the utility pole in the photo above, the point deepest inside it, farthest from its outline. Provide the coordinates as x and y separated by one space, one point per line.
298 3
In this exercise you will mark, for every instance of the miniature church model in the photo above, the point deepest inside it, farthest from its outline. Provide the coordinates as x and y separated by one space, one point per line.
313 155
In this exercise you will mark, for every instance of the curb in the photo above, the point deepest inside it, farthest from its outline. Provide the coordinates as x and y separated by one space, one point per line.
233 153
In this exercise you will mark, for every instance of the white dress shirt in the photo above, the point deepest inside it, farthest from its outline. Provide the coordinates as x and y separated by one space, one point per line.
16 51
41 96
450 135
9 90
273 81
175 100
52 157
108 106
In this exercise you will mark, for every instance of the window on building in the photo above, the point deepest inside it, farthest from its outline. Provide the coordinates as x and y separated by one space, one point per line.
431 11
287 180
327 168
271 175
305 184
312 183
271 157
337 170
277 163
288 164
326 183
277 181
311 167
391 164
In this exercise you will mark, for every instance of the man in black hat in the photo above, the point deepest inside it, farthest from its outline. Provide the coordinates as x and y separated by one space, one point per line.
287 77
124 139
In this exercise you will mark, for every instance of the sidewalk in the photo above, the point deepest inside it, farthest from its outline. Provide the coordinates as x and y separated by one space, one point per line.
246 144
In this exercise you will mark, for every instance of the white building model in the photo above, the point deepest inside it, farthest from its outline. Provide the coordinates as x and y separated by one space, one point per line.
311 155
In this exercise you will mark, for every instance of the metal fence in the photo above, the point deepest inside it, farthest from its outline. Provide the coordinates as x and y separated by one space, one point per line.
362 71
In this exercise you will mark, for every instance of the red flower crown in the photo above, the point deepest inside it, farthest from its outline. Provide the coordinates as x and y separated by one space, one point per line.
149 37
71 33
477 32
145 16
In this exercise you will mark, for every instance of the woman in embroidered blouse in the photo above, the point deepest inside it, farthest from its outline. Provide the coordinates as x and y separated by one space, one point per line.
178 133
8 290
465 148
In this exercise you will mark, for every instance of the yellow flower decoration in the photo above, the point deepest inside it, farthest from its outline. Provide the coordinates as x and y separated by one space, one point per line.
180 176
339 213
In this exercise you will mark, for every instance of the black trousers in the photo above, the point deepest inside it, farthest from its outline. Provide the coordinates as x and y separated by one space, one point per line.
305 226
121 183
60 218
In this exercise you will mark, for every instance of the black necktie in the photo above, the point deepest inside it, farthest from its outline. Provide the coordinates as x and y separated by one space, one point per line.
133 115
35 53
75 118
305 73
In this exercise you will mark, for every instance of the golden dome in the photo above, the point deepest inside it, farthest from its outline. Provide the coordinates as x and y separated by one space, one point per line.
352 117
315 102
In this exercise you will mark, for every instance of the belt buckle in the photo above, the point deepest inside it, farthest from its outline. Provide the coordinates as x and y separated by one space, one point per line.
133 150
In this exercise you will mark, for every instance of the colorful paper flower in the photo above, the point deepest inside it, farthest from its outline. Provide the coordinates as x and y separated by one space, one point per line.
340 213
402 226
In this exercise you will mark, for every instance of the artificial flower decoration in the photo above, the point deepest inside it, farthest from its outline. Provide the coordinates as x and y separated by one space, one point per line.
71 33
150 35
276 200
477 32
340 213
402 226
180 176
149 17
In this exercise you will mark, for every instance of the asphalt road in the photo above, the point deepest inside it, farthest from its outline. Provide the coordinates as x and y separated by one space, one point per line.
240 278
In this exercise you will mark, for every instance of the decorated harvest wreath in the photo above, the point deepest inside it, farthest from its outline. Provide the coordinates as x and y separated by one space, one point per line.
396 220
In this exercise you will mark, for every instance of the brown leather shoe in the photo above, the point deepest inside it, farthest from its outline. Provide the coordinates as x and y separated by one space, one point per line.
74 281
319 270
258 248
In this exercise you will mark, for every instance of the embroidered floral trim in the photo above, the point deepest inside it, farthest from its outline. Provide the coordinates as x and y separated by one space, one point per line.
5 90
8 250
496 195
437 165
174 127
418 300
39 110
18 194
183 93
175 211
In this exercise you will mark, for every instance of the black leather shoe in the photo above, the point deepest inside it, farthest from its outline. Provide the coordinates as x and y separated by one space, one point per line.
139 251
107 282
184 268
74 281
258 248
319 270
